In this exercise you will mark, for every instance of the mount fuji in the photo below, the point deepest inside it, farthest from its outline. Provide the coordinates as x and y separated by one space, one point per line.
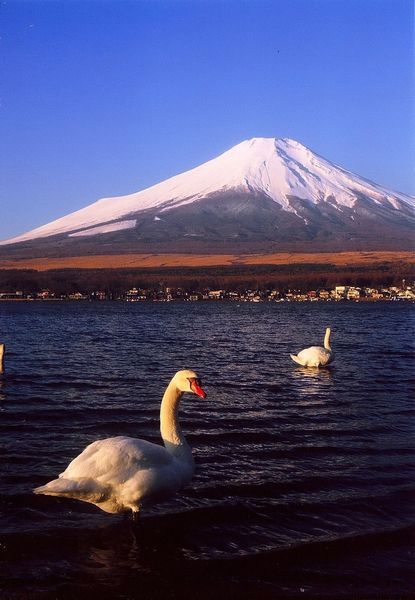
262 193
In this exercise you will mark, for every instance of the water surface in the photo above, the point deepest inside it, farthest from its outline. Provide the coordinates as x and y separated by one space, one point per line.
305 478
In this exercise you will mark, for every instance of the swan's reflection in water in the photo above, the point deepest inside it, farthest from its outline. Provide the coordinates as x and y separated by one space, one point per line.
312 383
148 553
152 557
119 546
313 373
2 390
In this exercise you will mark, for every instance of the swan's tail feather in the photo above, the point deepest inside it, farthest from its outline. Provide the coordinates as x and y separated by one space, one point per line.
296 359
83 489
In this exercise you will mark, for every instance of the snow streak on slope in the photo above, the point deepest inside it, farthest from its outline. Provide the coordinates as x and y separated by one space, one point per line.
278 168
118 226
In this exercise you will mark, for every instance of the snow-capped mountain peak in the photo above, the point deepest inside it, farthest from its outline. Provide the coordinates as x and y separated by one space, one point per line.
279 169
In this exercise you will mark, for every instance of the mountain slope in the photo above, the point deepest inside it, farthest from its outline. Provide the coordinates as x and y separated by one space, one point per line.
262 190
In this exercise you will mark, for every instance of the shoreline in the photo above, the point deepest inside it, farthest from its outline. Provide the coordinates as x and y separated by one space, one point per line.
212 301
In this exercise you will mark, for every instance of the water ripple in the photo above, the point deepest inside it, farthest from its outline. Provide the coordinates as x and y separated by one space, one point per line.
304 477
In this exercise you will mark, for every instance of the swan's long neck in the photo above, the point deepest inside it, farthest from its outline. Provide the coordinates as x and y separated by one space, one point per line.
327 339
170 430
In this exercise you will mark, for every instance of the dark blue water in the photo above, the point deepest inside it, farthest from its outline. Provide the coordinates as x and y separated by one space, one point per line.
305 479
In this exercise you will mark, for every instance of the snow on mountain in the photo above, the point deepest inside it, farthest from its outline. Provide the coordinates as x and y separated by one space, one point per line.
279 169
118 226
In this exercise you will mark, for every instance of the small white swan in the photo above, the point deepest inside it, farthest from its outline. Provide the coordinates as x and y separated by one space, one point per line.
122 473
316 356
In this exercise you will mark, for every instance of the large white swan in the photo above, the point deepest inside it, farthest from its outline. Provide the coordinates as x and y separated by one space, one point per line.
316 356
122 473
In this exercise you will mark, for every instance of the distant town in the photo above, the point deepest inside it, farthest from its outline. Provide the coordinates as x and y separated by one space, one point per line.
168 294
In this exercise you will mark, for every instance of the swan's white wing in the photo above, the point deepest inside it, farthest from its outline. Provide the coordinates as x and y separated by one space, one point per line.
117 473
115 460
315 356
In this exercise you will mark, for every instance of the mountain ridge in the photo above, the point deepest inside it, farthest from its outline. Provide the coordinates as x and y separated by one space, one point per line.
263 190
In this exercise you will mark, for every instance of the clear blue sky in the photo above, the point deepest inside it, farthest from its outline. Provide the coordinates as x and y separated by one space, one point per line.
104 98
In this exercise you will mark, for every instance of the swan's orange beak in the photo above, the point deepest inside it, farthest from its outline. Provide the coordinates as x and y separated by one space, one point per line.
195 387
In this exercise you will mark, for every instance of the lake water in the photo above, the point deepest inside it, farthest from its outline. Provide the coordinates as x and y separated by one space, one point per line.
304 485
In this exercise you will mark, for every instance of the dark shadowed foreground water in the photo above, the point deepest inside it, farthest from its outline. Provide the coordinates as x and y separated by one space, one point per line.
304 479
